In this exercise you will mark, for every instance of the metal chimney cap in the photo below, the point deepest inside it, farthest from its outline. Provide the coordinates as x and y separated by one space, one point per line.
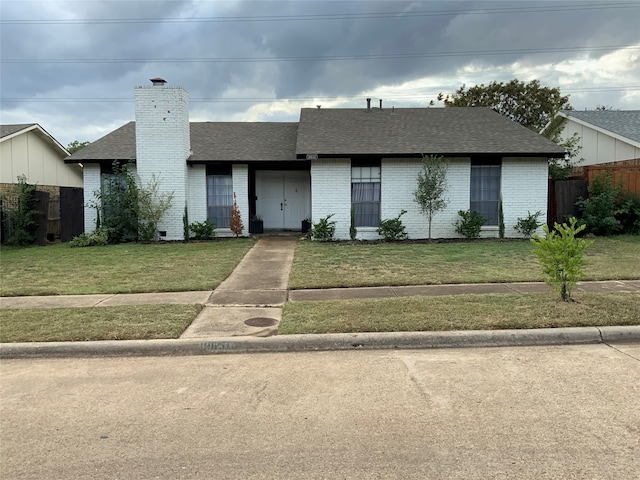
158 81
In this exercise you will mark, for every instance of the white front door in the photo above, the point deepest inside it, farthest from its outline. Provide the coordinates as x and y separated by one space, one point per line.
283 198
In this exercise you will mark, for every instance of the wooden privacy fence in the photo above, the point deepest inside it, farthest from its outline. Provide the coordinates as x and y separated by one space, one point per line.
57 216
627 173
563 195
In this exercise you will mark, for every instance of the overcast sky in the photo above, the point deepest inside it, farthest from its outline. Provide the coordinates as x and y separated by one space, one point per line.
71 66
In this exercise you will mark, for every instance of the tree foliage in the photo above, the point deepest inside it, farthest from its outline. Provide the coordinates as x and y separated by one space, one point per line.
152 205
561 254
432 185
21 214
74 146
529 104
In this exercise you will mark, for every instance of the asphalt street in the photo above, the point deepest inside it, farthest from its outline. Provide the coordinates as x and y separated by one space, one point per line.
548 412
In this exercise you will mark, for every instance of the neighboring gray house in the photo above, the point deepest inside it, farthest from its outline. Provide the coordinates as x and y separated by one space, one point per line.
333 161
606 136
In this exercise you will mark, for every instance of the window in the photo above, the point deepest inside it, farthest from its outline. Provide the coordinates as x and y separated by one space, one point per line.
485 189
219 197
365 194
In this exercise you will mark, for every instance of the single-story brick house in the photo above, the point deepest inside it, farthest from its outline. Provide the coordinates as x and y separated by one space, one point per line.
330 162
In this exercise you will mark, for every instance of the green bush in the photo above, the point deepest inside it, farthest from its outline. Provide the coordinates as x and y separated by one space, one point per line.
561 254
470 223
324 230
528 225
21 214
628 213
598 212
99 236
203 230
392 228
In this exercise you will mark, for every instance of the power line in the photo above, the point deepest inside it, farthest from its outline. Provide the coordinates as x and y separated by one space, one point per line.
407 97
393 56
322 17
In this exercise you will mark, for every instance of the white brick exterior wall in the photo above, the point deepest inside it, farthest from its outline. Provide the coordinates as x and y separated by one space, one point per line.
91 175
524 189
197 193
331 193
162 147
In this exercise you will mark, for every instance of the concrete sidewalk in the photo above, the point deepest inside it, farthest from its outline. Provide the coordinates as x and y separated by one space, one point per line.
262 298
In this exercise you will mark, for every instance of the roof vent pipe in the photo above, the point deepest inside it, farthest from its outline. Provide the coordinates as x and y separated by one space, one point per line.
380 104
158 81
368 104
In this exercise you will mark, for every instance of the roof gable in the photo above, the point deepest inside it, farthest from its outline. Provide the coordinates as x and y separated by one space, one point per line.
621 123
10 131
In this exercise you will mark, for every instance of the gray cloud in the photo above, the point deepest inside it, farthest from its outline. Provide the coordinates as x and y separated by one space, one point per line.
425 28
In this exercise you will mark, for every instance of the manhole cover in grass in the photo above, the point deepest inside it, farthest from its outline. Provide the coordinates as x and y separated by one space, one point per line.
261 322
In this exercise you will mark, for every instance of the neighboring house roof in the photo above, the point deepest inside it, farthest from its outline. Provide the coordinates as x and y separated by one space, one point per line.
9 131
624 124
452 131
210 141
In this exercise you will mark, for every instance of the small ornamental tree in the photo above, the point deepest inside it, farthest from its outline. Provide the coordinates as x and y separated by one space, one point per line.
432 184
561 254
236 219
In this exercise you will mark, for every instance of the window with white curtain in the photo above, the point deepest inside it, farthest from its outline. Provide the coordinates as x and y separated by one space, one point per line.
219 199
485 189
365 195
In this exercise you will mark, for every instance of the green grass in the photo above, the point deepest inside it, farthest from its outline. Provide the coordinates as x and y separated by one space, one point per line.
344 264
142 322
126 268
460 312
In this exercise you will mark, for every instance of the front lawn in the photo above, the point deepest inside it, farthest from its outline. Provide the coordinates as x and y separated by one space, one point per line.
126 268
460 312
140 322
346 264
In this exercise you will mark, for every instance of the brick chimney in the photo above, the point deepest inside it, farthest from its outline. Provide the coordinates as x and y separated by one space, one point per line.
163 145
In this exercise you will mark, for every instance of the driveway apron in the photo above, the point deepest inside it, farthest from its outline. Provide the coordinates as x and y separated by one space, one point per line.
250 300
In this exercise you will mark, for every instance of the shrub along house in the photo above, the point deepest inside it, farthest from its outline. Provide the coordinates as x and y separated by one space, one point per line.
333 161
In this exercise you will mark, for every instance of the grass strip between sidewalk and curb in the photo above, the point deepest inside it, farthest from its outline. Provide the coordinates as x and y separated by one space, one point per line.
460 312
139 322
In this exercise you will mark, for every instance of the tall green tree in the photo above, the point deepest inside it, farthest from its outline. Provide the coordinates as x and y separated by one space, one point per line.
531 105
432 185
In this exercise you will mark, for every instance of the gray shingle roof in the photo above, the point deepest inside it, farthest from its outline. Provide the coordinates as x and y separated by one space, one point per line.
452 130
210 141
408 131
625 123
117 145
6 130
238 141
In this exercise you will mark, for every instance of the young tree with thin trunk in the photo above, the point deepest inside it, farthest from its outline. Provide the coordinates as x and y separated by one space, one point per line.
432 185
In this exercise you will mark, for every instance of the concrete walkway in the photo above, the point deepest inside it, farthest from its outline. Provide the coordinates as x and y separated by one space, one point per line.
250 300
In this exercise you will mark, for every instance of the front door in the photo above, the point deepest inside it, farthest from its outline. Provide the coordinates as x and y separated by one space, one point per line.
283 198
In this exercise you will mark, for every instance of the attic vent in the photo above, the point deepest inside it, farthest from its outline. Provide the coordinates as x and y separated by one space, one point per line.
158 81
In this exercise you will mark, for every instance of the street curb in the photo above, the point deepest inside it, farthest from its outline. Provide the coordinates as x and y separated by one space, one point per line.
324 342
